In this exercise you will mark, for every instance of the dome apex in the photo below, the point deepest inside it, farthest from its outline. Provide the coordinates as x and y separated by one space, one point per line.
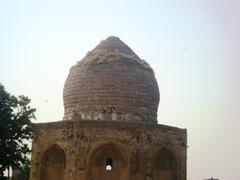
111 83
114 44
113 50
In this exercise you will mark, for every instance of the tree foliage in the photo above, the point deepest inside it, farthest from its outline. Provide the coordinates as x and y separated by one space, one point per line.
15 129
24 172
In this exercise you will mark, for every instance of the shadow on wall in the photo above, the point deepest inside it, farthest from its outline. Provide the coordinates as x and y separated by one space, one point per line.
164 165
53 164
109 163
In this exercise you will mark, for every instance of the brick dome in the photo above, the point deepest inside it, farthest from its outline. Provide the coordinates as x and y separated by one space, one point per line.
111 83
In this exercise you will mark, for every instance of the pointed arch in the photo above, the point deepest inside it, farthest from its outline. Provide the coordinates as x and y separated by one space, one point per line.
164 165
109 162
53 164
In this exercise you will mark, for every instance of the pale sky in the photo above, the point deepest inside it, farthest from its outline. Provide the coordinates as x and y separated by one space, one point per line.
192 45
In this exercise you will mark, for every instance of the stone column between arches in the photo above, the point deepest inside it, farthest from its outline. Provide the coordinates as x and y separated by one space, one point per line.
85 149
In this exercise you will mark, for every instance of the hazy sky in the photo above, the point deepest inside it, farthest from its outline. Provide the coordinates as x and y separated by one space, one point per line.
192 45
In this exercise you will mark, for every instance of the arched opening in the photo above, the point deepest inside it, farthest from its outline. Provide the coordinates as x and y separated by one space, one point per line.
53 164
108 163
164 165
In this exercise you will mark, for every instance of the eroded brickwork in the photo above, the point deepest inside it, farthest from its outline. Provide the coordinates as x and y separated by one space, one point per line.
110 99
118 82
92 92
133 148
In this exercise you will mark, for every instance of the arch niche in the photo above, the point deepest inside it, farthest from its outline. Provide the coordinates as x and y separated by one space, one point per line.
53 164
164 166
109 162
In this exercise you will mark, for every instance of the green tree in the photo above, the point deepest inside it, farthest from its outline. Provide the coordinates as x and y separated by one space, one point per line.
24 172
15 130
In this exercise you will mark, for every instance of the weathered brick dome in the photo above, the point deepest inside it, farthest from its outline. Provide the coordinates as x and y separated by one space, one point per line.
111 83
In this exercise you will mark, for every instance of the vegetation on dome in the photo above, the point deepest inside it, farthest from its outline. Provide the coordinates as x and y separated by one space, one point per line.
103 57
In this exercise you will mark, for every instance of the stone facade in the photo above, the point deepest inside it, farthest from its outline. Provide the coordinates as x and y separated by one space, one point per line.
110 129
136 151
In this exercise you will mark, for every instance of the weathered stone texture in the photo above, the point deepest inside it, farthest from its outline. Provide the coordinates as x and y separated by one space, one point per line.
110 99
121 84
135 149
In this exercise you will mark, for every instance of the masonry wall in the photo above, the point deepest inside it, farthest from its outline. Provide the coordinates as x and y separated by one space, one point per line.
137 151
92 91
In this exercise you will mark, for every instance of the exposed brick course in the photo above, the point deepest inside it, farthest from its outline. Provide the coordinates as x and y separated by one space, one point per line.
79 139
93 88
111 99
